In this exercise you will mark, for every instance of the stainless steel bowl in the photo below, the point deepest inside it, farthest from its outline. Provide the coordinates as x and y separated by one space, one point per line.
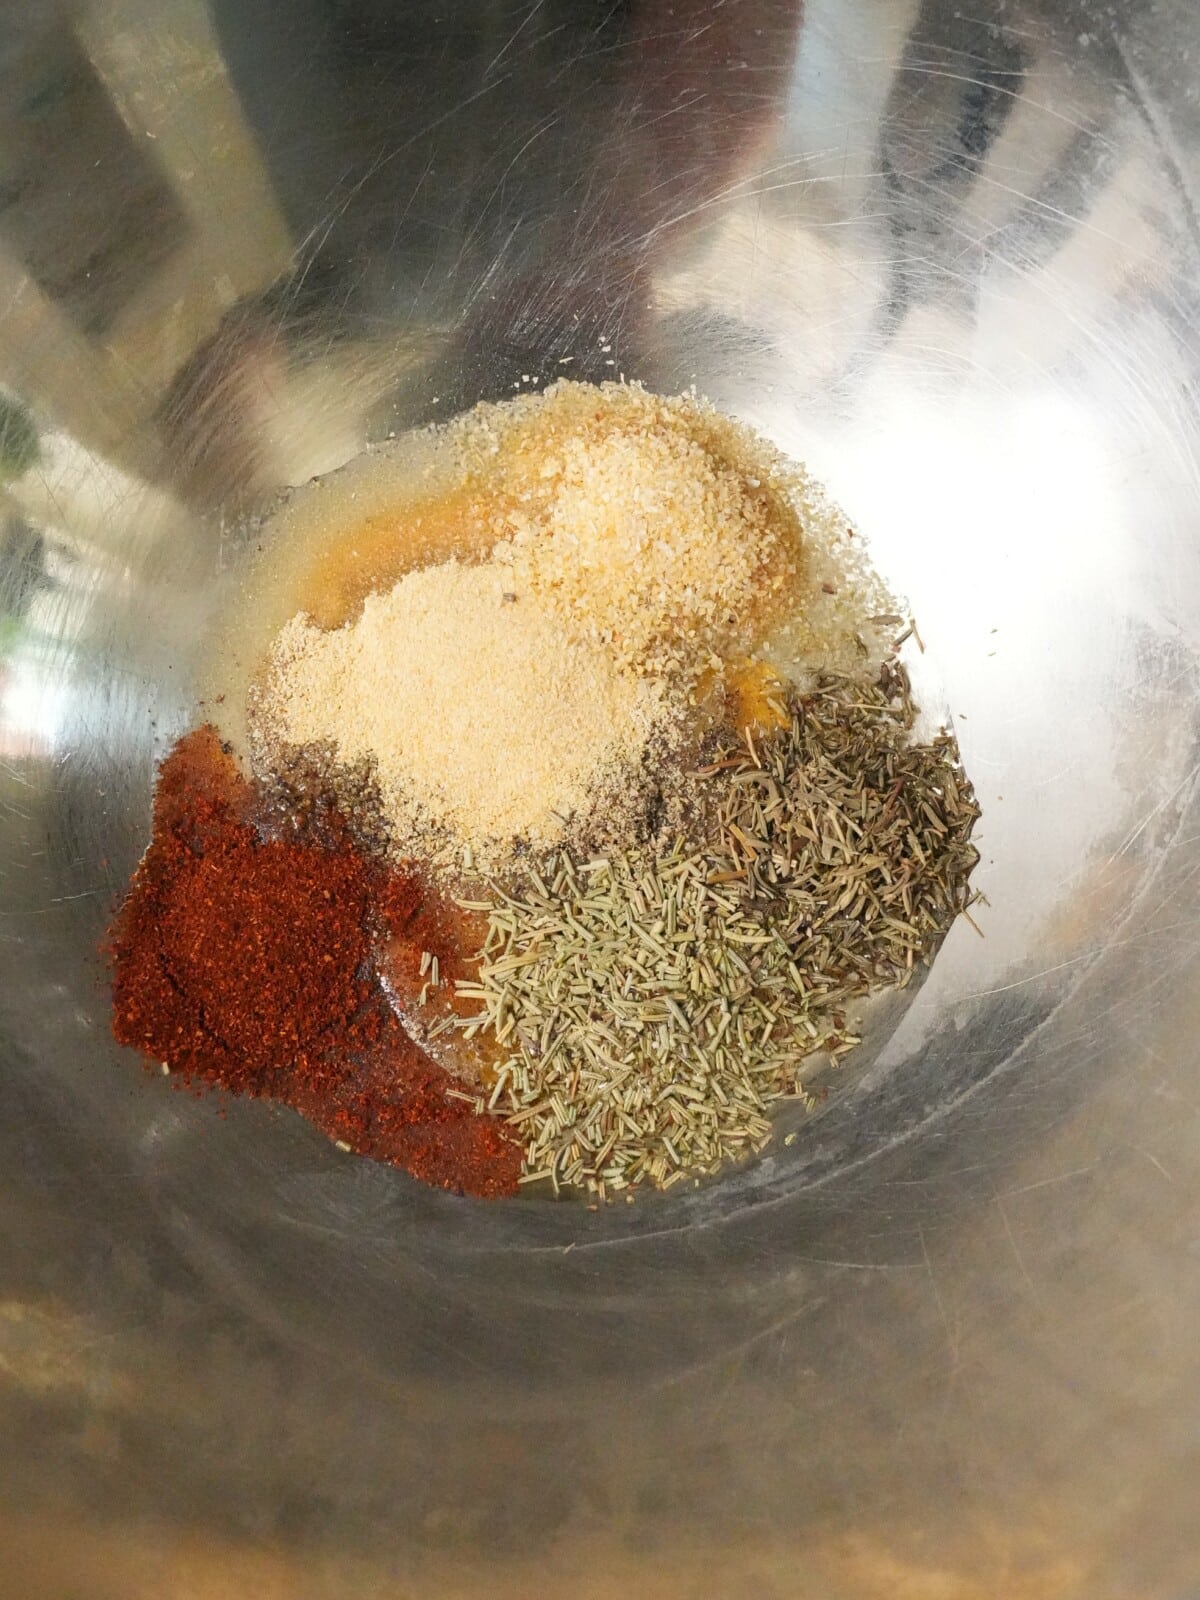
945 1343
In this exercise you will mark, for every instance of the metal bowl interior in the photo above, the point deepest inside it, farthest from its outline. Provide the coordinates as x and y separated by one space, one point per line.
952 264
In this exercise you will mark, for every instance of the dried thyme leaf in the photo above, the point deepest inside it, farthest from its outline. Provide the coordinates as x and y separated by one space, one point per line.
652 1009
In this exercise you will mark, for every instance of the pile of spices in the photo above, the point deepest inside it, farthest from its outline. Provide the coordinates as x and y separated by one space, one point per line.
585 805
650 1010
634 545
248 962
483 720
662 528
647 540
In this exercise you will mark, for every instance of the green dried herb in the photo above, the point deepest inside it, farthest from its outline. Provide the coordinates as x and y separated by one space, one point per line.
651 1010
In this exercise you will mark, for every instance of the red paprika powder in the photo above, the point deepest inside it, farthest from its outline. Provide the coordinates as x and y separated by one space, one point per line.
248 961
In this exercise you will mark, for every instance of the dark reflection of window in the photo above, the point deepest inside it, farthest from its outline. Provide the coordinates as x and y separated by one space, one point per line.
83 206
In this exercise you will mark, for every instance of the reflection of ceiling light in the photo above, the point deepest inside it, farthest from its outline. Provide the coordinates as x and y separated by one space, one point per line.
34 707
1007 516
976 498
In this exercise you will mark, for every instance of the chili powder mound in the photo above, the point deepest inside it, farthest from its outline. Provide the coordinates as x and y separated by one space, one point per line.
248 962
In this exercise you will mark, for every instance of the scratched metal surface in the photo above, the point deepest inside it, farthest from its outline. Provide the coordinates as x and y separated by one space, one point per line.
945 1343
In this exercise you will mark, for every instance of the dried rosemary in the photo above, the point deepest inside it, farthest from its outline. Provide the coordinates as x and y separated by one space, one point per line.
648 1011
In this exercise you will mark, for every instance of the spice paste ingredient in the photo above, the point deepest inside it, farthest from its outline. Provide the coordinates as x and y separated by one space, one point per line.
629 548
484 721
248 962
650 1009
669 531
586 805
644 537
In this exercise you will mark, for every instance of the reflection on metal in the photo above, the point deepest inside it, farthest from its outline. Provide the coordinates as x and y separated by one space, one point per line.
134 208
943 1343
